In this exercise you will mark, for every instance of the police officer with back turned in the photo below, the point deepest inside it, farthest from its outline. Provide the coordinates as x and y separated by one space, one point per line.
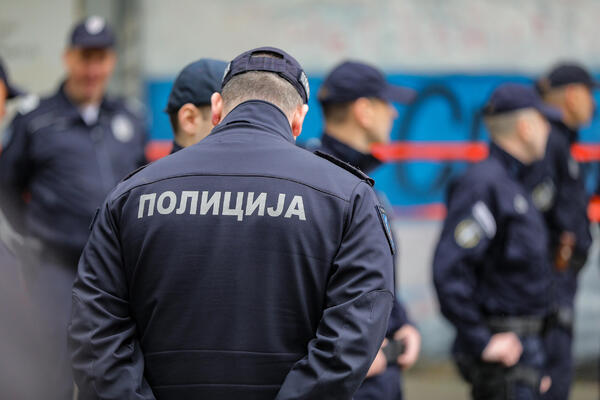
241 267
490 269
63 155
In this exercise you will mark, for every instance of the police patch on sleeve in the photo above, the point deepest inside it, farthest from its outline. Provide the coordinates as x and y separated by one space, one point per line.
468 233
387 229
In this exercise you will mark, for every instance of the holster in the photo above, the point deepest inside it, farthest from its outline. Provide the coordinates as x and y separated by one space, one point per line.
563 318
493 381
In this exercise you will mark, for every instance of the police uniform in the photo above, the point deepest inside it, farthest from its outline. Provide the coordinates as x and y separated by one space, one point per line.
195 85
347 82
387 385
558 188
253 269
491 273
64 167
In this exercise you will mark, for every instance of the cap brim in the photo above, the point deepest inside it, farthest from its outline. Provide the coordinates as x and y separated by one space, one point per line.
398 94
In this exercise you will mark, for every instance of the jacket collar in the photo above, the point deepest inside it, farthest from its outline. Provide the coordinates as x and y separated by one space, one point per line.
365 162
260 113
515 168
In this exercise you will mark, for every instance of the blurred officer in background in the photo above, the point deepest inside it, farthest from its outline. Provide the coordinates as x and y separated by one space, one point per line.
253 269
189 102
490 268
568 89
65 153
356 102
18 379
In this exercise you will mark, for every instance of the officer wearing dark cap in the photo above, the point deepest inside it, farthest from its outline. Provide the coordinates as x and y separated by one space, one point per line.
64 154
189 102
568 89
243 267
356 101
490 269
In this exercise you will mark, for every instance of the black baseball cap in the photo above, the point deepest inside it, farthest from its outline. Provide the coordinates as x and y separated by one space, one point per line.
283 65
515 96
566 74
351 80
11 90
92 32
196 83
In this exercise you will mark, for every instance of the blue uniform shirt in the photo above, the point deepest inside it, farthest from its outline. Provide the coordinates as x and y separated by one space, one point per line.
492 255
67 166
240 267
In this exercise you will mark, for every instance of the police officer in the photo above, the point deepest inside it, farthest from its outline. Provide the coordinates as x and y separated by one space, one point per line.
189 102
490 268
568 89
356 102
242 267
65 153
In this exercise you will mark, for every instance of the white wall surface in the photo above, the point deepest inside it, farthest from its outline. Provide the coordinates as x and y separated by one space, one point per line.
414 35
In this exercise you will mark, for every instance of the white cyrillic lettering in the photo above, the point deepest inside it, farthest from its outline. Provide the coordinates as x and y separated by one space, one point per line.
260 203
206 203
238 211
277 212
160 204
185 195
296 208
151 198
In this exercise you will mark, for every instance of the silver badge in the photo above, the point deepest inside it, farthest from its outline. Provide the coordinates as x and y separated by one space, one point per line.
543 195
573 168
94 25
520 203
122 128
304 82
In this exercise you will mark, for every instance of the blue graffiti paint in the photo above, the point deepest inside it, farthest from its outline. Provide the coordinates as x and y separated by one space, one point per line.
447 109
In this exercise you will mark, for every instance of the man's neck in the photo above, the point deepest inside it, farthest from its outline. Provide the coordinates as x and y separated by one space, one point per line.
350 135
78 100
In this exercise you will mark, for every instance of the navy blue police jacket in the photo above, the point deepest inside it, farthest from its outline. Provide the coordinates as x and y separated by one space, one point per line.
491 258
366 163
242 267
558 189
66 166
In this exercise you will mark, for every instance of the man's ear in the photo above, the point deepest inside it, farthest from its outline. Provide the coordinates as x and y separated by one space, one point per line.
361 110
298 119
216 108
187 115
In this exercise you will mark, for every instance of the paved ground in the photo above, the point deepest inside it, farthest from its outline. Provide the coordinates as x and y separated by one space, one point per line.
441 382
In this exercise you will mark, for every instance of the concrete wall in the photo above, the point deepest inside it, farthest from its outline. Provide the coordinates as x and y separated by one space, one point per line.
416 35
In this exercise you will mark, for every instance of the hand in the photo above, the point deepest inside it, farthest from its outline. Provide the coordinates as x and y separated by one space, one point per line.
545 384
412 342
504 348
379 365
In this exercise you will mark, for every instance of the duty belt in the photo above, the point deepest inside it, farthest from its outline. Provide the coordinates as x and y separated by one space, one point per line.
521 326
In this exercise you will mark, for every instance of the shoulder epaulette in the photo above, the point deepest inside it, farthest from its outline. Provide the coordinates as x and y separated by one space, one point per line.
28 103
135 171
353 170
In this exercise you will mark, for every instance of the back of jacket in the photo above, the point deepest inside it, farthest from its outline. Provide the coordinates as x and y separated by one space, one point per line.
247 268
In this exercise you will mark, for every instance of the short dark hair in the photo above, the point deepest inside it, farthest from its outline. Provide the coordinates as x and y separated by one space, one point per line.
261 85
336 112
